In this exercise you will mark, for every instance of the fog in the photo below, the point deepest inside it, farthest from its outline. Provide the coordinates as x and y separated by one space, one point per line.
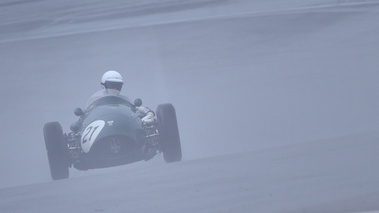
243 75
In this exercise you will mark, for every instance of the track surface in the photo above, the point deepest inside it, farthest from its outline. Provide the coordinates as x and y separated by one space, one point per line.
321 176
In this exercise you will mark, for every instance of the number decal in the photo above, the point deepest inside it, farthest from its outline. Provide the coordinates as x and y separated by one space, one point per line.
94 129
90 134
85 136
89 129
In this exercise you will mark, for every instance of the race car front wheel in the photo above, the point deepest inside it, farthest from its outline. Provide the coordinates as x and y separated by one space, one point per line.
169 133
56 150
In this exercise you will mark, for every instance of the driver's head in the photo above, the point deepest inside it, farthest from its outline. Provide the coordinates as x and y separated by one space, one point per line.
112 80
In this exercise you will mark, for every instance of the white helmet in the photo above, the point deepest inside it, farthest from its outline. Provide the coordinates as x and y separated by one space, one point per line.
112 80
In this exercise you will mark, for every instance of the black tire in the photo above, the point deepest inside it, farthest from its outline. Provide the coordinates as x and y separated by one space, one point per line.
169 133
56 150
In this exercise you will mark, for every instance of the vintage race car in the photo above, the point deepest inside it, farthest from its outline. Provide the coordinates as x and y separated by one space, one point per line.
110 133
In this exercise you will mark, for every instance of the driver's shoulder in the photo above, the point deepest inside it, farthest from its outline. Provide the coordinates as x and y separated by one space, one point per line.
98 94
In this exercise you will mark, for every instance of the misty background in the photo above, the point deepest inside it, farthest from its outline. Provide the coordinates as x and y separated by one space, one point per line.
243 75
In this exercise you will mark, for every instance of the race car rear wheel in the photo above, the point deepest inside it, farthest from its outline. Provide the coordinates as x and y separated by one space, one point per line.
169 133
56 150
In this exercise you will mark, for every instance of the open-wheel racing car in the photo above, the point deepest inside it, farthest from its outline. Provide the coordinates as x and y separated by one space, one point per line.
109 133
